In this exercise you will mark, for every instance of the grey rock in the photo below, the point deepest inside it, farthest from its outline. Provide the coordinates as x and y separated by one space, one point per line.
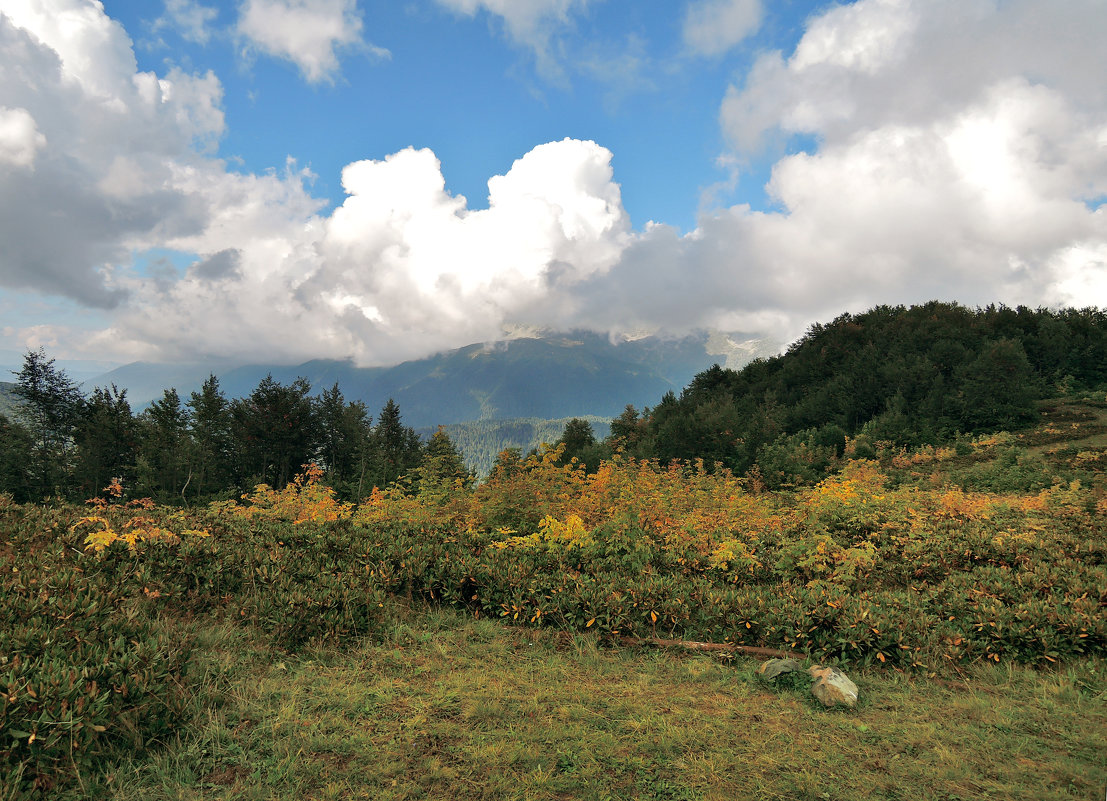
775 667
832 686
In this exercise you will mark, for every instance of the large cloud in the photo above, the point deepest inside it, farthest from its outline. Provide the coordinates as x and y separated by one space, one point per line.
90 147
957 157
962 154
401 269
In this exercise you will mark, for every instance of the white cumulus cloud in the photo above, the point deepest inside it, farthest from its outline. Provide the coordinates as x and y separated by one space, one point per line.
958 154
20 138
306 32
401 268
117 154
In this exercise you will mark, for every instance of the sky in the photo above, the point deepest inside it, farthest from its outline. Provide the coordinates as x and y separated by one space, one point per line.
283 180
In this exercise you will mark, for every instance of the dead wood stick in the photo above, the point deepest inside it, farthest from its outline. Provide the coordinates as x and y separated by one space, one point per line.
692 645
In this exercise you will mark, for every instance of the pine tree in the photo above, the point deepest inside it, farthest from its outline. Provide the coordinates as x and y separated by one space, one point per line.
276 431
211 434
443 468
344 432
395 448
106 441
166 451
51 405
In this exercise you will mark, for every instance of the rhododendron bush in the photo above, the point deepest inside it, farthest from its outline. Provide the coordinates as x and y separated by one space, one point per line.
858 569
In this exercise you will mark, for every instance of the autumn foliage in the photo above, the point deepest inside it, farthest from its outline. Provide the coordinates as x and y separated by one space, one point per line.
877 564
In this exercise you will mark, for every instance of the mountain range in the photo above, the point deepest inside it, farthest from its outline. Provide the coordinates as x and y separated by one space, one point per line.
548 376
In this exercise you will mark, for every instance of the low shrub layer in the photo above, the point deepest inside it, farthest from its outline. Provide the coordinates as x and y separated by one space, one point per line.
849 570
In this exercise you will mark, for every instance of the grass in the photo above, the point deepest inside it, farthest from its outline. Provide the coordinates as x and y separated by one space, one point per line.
1071 424
448 707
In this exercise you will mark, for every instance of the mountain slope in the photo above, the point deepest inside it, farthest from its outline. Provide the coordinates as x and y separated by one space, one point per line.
548 377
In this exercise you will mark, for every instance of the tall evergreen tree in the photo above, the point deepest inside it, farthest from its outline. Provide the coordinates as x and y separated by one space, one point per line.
276 431
213 469
50 409
443 466
106 440
166 450
395 449
629 431
580 443
344 433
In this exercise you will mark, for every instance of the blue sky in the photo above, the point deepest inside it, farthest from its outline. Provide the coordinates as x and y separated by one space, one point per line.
462 86
282 180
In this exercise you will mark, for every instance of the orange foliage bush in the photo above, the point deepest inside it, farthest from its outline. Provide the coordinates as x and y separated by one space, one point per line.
304 500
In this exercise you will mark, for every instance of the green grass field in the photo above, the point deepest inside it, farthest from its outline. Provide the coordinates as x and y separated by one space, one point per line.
447 707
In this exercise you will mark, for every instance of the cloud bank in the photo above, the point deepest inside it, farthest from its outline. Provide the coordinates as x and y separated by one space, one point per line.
961 154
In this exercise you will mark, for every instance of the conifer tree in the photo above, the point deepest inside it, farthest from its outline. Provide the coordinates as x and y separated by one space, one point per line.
50 408
210 427
276 431
395 448
166 450
443 466
106 441
344 432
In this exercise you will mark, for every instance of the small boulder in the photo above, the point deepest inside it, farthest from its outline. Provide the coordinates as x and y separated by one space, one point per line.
772 668
832 686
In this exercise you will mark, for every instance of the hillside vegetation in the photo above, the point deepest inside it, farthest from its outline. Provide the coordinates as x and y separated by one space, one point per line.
447 638
923 375
889 565
911 376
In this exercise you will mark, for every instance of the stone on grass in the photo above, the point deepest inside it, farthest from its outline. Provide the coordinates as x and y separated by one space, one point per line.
775 667
832 686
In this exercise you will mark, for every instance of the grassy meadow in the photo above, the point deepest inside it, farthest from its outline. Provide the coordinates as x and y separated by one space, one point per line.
468 643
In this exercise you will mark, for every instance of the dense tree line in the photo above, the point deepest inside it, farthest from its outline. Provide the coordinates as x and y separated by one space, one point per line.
59 442
909 376
906 375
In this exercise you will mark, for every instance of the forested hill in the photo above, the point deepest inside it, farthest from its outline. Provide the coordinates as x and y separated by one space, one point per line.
908 375
481 441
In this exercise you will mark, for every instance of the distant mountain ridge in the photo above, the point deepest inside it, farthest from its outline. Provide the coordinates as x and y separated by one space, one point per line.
549 377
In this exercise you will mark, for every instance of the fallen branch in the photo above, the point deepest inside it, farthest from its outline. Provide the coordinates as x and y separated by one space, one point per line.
692 645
